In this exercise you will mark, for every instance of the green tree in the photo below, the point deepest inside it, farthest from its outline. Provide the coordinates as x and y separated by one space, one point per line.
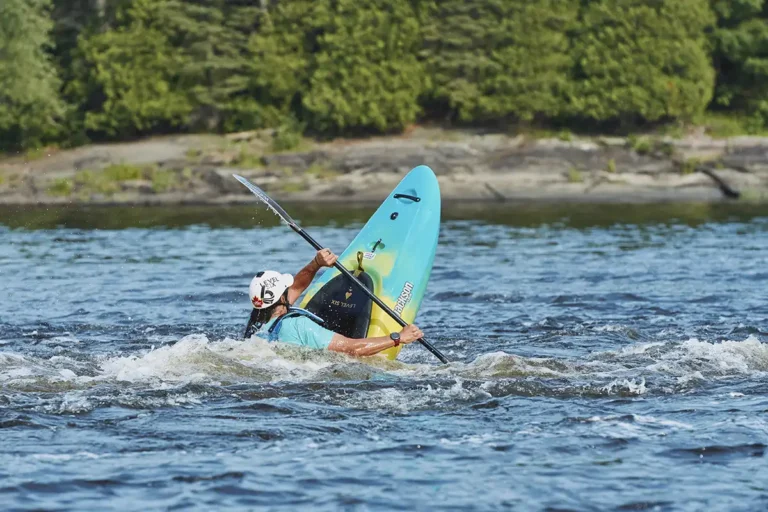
741 56
642 60
30 106
128 75
211 37
283 56
532 75
138 66
157 64
71 18
365 72
339 65
495 59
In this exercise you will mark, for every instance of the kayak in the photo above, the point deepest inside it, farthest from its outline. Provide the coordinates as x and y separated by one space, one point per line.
392 256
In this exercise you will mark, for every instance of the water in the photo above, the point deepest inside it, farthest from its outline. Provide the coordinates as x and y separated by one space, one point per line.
605 358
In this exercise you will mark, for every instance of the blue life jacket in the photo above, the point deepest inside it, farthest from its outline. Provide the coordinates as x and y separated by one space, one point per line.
274 330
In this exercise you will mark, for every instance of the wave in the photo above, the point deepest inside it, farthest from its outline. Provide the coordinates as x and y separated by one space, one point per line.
195 368
193 359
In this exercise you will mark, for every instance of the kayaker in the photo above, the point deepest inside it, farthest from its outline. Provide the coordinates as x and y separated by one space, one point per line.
274 319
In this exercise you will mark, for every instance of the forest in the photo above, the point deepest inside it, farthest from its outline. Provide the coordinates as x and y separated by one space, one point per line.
78 71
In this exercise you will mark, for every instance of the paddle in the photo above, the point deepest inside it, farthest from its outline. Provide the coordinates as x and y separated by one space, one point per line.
294 226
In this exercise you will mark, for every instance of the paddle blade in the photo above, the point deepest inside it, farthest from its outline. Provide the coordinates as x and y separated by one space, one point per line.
267 200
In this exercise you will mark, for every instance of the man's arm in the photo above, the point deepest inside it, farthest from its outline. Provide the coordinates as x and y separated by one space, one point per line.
370 346
323 258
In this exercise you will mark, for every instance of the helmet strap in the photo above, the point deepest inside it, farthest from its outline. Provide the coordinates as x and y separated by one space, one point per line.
284 302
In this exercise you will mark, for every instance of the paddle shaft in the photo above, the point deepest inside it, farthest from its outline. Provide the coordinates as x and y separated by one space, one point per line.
368 292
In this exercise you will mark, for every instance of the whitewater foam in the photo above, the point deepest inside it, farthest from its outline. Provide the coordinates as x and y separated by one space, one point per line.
634 370
196 359
626 387
402 401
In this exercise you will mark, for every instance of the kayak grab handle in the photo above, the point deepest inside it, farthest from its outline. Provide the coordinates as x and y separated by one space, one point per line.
415 199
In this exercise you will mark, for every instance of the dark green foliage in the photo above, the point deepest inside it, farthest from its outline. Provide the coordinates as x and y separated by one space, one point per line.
282 51
642 60
340 65
70 19
211 39
123 68
365 74
166 63
30 107
73 20
741 57
287 136
127 76
492 59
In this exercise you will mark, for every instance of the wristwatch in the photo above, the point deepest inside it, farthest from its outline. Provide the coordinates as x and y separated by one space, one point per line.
395 336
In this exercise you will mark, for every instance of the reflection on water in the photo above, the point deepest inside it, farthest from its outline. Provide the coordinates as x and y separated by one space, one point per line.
246 216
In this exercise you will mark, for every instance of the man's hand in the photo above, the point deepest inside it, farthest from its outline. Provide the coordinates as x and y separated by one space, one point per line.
325 258
410 333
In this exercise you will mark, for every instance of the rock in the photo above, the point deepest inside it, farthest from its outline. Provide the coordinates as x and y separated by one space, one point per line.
612 142
701 143
221 158
97 160
743 180
137 186
549 145
747 142
473 165
295 161
242 136
223 182
746 157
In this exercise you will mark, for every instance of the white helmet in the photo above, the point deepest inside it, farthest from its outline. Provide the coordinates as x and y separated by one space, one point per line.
267 288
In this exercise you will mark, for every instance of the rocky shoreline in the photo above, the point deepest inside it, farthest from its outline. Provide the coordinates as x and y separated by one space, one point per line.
471 166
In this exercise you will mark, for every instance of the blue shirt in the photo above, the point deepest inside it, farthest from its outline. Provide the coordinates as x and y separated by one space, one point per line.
299 330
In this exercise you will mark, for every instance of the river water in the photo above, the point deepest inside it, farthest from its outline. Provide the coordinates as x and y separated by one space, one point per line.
604 358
